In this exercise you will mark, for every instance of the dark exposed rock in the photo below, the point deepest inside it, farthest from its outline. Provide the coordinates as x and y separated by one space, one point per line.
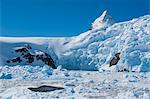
123 70
8 61
133 71
115 59
30 57
46 59
22 54
22 50
18 59
45 88
120 70
39 57
90 28
126 70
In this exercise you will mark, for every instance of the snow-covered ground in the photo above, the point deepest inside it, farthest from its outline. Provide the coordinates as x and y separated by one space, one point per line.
80 85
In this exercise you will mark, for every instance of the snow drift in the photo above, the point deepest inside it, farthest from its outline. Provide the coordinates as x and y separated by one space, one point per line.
94 49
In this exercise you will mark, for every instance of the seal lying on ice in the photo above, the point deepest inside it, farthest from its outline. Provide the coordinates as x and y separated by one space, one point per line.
45 88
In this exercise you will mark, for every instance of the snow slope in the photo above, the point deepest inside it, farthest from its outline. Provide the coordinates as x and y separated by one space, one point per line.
94 49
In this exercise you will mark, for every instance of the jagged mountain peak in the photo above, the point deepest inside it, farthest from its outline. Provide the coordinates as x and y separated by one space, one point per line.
104 20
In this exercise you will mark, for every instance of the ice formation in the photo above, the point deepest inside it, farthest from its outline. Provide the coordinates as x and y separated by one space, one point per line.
103 21
107 46
94 49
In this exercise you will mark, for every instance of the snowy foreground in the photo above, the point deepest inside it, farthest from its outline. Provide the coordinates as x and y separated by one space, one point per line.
80 85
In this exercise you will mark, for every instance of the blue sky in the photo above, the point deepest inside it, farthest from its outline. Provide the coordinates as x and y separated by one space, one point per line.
62 17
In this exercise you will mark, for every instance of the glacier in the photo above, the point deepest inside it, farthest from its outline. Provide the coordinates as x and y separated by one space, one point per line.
94 49
131 39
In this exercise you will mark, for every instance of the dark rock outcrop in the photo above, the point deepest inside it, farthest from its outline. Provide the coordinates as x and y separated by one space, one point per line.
115 59
46 58
123 70
21 50
18 59
29 56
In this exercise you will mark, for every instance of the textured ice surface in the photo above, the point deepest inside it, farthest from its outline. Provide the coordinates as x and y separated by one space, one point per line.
25 72
94 49
103 21
81 85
